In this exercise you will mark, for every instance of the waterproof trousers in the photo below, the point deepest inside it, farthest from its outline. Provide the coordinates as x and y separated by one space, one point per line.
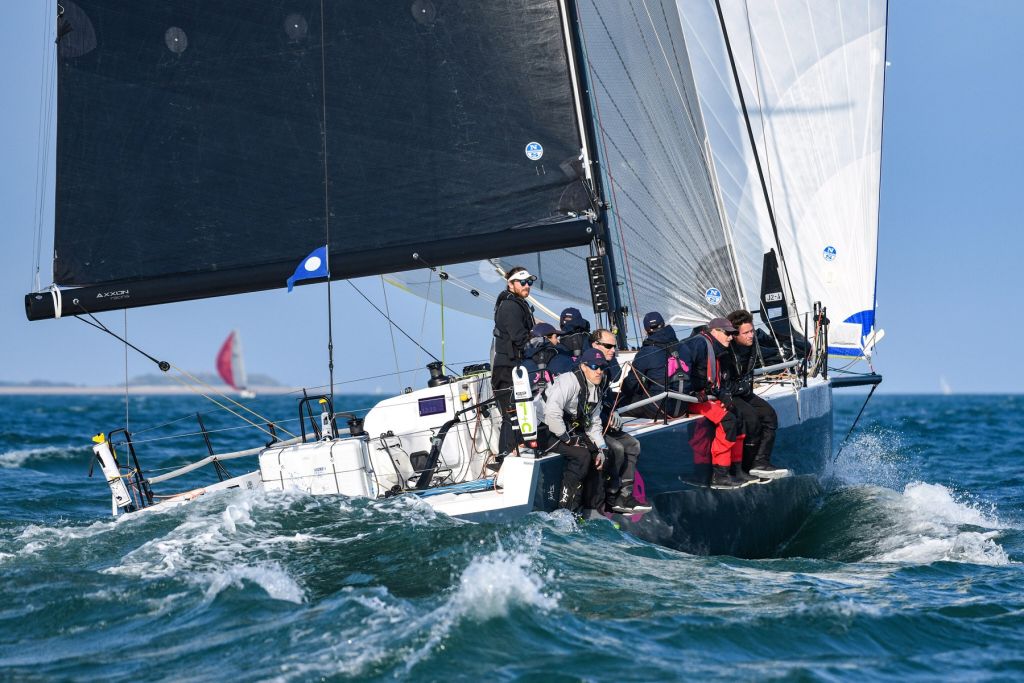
581 482
501 385
758 421
620 470
726 431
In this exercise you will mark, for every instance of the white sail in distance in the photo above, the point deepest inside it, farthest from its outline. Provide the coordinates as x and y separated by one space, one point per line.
812 76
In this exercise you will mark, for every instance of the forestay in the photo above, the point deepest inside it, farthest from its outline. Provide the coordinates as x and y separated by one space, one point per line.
812 76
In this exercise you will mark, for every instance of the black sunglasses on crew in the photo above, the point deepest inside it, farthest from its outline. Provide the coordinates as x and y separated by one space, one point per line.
528 282
606 346
595 366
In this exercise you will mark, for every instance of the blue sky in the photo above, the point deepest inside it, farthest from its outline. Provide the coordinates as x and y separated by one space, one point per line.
949 245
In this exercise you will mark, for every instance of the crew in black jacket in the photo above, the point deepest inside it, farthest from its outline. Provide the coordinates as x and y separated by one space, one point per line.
513 320
759 420
656 369
702 354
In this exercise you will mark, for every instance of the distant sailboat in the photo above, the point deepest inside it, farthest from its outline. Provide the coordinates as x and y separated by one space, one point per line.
231 366
944 386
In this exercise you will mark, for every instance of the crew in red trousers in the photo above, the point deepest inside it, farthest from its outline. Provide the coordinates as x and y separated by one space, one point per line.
702 354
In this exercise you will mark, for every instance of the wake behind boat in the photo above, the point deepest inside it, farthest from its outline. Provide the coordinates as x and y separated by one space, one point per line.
442 145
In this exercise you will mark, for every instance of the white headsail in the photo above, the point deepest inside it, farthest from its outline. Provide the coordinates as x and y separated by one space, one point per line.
812 76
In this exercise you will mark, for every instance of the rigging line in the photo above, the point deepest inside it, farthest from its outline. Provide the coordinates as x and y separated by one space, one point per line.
501 272
672 187
385 374
327 202
391 331
392 322
854 426
223 406
182 435
46 113
629 75
611 181
670 161
686 104
165 366
440 289
125 311
457 281
753 146
757 92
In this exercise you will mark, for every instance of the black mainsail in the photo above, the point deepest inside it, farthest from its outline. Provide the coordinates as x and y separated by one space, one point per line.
205 148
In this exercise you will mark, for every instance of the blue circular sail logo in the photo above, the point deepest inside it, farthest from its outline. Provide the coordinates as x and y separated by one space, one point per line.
830 253
713 296
534 151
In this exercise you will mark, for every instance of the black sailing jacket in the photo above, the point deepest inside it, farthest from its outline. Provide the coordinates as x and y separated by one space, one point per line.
513 321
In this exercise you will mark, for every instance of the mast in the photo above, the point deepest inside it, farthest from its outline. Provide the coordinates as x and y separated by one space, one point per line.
588 131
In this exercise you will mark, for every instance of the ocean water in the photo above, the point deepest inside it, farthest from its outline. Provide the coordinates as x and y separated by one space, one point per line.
910 569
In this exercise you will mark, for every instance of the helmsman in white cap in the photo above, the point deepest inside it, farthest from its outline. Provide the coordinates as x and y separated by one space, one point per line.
513 320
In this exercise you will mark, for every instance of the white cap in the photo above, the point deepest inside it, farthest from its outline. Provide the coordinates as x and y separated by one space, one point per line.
520 275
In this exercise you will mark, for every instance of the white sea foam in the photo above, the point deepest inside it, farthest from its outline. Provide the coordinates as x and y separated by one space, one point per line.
488 587
871 457
213 551
273 579
936 525
18 458
39 537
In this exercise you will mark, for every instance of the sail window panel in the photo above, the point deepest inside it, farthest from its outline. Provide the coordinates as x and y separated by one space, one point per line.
198 138
672 239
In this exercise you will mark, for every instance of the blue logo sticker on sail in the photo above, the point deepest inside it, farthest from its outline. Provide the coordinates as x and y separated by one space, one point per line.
534 151
713 296
830 253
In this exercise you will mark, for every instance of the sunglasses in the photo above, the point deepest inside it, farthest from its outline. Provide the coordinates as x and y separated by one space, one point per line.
595 366
605 346
528 282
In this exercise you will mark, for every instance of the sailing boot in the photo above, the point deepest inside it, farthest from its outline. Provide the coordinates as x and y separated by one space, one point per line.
720 478
763 466
570 497
740 477
626 503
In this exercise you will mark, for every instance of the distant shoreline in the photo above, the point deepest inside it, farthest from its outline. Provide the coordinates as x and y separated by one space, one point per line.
142 389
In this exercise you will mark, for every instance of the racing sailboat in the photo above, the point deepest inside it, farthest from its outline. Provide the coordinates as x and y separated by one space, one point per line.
231 365
440 144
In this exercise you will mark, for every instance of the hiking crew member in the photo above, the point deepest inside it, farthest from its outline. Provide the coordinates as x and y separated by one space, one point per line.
572 413
544 359
758 418
623 449
575 335
513 320
657 367
703 353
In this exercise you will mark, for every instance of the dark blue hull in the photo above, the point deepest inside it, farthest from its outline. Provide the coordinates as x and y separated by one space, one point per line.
751 522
